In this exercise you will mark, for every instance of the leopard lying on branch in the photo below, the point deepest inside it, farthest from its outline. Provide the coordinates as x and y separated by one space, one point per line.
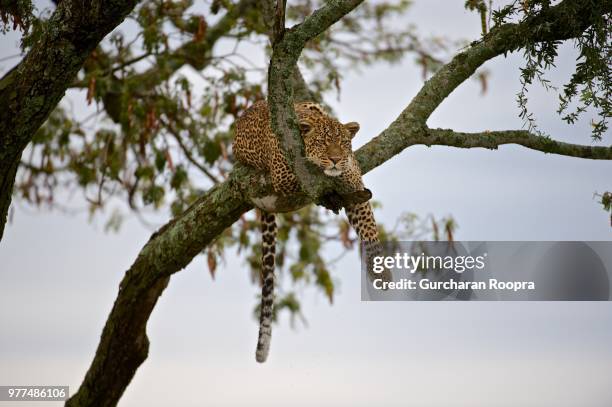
327 144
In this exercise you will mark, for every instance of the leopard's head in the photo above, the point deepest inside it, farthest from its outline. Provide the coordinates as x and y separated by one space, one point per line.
327 141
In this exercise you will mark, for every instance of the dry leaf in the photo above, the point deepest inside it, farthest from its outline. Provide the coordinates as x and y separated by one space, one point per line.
212 264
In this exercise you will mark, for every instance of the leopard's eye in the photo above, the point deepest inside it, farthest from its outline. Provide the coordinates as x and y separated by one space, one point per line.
305 127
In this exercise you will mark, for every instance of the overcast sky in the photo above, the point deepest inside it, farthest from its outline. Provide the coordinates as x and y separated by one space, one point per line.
59 276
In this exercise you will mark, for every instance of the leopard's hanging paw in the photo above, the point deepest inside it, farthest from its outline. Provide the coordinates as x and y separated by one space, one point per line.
357 197
332 201
335 201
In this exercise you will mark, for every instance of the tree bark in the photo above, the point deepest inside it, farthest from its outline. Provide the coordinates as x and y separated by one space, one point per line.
31 90
493 139
8 171
124 344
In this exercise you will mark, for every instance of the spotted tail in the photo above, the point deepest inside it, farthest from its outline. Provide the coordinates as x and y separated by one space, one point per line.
268 249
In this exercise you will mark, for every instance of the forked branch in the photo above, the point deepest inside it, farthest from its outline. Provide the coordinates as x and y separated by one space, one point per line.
281 77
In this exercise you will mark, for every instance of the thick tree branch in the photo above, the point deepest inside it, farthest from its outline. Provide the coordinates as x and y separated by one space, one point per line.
30 91
287 47
124 344
301 92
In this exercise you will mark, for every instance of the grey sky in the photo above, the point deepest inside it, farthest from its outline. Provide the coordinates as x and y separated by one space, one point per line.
59 277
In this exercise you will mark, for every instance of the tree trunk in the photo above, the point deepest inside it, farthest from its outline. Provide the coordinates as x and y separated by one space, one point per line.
8 170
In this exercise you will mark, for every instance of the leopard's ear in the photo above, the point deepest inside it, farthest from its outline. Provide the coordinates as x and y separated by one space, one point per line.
352 127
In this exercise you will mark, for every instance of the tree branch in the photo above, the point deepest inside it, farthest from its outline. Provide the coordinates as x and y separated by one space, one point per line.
301 92
186 151
493 139
30 91
566 20
124 344
281 76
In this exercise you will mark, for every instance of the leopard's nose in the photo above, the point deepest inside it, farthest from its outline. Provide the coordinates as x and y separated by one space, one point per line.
334 153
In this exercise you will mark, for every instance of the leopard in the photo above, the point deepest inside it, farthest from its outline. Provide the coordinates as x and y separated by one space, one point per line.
328 145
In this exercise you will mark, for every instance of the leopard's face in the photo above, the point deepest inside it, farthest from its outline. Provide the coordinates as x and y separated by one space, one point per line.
328 143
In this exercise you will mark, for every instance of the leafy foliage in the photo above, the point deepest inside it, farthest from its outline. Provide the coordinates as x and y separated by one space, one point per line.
606 201
15 13
590 86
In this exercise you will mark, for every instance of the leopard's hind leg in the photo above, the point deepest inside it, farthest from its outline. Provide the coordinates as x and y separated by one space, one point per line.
268 250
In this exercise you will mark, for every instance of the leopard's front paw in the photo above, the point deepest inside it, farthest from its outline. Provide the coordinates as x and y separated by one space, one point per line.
335 201
332 201
357 197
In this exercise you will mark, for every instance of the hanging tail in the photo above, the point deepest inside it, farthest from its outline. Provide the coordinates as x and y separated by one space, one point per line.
268 249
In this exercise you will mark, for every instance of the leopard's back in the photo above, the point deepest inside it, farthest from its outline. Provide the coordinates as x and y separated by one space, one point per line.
254 141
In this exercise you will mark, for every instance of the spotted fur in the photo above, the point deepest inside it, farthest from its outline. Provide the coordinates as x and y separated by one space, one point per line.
328 145
268 250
